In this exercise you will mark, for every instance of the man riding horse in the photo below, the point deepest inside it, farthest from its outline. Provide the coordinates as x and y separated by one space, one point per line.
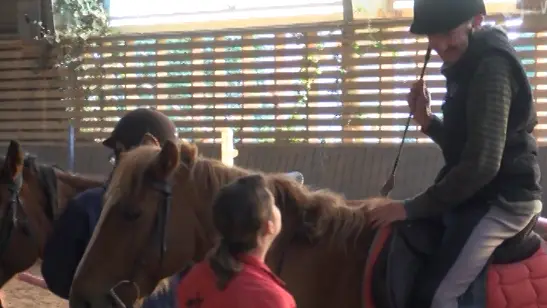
488 190
73 229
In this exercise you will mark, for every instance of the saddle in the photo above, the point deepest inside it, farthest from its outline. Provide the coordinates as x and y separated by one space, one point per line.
401 250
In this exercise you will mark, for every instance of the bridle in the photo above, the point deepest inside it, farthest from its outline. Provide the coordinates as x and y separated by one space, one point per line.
14 216
158 235
10 218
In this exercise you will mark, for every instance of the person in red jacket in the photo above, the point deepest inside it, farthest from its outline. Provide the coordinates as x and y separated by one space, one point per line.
234 274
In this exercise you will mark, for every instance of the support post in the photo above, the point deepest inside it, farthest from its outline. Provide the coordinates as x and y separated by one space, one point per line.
227 150
71 147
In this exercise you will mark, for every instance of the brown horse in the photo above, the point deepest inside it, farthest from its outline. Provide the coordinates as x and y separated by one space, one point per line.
157 219
31 196
140 239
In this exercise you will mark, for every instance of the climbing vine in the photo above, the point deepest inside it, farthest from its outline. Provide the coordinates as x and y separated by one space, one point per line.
311 69
76 24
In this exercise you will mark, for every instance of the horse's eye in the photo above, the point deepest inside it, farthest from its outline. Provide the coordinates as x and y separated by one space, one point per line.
132 215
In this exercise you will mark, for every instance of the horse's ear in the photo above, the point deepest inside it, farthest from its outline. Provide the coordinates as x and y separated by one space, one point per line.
13 165
188 153
167 161
149 139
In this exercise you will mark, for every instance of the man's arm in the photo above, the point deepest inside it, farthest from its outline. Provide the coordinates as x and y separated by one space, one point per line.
487 112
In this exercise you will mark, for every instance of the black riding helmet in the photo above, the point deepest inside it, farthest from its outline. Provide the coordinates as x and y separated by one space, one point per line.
439 16
135 124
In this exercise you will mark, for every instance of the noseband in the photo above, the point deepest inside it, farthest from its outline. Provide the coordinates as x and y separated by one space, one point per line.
158 236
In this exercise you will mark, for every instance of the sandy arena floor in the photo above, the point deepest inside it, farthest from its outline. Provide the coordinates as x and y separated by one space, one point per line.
20 294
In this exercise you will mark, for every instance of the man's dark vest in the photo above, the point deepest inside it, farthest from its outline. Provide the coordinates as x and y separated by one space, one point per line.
518 177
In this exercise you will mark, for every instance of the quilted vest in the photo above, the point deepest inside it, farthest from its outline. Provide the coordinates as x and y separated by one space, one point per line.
519 174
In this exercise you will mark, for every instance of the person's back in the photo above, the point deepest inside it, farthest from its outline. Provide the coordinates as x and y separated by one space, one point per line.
235 275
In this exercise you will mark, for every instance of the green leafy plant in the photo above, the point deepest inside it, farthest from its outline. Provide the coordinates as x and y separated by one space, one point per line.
76 24
312 66
65 45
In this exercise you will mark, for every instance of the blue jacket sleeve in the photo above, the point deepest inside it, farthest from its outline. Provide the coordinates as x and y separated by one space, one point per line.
71 234
165 294
65 248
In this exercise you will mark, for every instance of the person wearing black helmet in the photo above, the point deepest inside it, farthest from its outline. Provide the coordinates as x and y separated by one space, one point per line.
130 130
73 230
488 190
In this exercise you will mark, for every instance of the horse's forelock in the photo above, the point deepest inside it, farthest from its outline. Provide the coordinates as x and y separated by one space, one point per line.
130 172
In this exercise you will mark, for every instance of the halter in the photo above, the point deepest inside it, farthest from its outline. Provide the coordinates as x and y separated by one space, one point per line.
159 235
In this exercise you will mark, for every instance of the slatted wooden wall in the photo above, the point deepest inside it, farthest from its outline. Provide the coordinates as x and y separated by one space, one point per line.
31 105
323 83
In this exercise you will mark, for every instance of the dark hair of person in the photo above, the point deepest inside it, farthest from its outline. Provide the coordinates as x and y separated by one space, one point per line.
240 209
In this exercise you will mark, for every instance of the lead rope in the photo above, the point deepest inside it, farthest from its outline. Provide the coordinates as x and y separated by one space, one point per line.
390 183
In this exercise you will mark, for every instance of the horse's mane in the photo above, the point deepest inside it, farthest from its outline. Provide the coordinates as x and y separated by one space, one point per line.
317 213
320 213
75 179
211 174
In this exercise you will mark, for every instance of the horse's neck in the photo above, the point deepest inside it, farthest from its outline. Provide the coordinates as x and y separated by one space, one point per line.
69 185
